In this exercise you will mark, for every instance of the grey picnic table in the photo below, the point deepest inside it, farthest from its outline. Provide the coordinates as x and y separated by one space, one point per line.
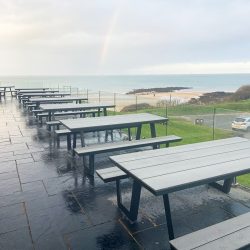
52 108
30 95
49 100
163 171
44 94
103 123
30 89
23 93
4 89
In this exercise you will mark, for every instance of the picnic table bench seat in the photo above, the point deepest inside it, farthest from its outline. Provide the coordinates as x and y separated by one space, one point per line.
111 174
62 132
230 234
31 106
36 112
116 146
50 124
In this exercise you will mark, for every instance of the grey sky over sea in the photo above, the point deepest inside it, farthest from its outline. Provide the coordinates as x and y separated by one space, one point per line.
79 37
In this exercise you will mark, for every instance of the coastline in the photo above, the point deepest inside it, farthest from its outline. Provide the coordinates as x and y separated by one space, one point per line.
181 95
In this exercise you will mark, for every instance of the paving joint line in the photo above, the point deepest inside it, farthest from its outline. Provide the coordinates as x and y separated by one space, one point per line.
28 222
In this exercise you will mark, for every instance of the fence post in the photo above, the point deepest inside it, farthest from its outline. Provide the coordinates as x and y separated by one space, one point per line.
166 117
115 103
136 103
99 96
214 113
87 95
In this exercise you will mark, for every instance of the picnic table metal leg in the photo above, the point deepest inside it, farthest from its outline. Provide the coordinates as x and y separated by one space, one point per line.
132 213
49 117
99 112
129 134
153 132
69 141
168 216
52 116
118 192
91 164
74 142
82 138
105 112
226 187
138 132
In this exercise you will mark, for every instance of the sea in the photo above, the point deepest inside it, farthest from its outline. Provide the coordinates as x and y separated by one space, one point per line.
124 83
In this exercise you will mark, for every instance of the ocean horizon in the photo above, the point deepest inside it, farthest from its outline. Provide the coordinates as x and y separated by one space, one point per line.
125 83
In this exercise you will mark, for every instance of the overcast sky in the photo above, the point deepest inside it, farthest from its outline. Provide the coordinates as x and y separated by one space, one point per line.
67 37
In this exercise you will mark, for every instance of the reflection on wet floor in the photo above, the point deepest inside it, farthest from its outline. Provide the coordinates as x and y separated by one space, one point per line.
47 201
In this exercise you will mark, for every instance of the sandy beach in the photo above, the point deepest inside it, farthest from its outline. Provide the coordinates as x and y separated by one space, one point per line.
182 95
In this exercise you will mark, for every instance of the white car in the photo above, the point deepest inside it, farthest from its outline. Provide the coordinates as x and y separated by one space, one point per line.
241 123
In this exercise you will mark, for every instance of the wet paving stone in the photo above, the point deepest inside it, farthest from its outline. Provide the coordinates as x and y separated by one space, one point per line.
157 237
7 167
8 175
12 211
11 199
9 186
207 216
33 171
13 223
60 184
111 235
18 240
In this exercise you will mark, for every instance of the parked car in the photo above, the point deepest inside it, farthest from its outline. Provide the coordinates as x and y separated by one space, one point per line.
241 123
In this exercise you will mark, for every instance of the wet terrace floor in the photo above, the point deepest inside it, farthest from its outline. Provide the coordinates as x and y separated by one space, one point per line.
47 202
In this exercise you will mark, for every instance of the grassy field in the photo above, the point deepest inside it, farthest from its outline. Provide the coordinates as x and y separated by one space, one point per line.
190 132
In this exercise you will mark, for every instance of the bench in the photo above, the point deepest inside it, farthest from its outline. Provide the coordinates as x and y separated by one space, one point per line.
82 113
63 132
53 124
111 174
116 146
36 112
31 106
230 234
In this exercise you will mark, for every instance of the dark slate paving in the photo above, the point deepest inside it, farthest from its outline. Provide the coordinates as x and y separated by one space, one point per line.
19 240
47 201
110 235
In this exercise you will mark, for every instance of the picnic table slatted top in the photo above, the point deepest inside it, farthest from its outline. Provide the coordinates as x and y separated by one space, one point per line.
45 94
171 169
31 89
51 99
8 86
109 122
230 235
23 92
71 106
